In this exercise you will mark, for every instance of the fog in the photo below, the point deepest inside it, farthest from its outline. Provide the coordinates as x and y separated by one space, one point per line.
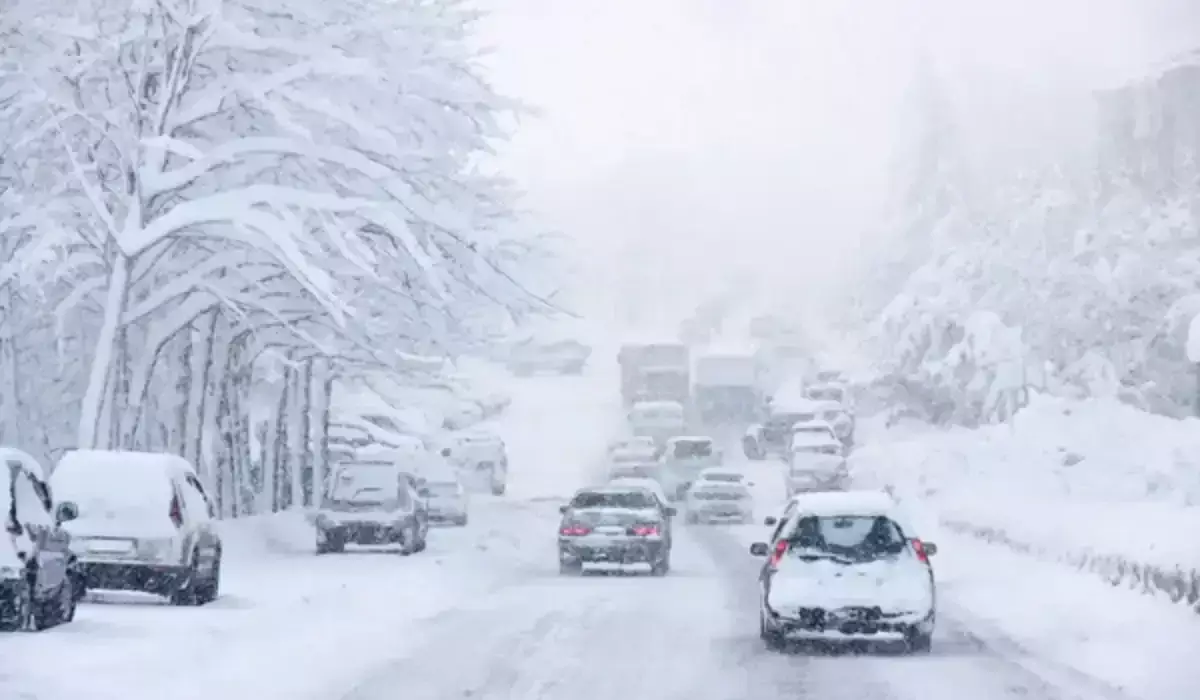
693 147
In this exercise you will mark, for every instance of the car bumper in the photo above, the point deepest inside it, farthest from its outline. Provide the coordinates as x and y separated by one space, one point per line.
820 624
712 516
364 533
161 579
622 554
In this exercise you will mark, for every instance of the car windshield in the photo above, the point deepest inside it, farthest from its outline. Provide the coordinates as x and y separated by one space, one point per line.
692 449
613 499
853 537
366 484
448 488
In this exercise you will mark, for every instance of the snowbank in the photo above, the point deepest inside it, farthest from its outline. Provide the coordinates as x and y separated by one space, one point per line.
1096 484
251 537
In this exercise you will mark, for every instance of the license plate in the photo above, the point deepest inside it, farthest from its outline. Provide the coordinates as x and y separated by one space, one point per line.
110 546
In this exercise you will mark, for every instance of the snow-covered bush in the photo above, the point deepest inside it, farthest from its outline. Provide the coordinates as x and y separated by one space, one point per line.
210 211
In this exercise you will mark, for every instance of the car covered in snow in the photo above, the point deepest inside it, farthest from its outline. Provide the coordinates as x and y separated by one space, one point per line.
614 526
565 356
773 436
40 581
719 502
482 460
683 458
657 420
446 499
844 568
816 462
145 523
816 427
372 503
634 449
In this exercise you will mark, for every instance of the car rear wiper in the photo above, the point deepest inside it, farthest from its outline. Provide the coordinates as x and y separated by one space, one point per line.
811 555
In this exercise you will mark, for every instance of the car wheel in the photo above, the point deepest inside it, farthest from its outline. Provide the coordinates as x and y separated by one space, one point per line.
570 568
16 611
210 590
498 490
770 636
408 543
461 521
422 540
919 642
66 601
185 590
331 544
662 567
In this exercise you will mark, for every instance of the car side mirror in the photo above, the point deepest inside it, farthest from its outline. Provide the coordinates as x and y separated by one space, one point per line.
759 549
562 509
770 520
671 511
66 512
930 549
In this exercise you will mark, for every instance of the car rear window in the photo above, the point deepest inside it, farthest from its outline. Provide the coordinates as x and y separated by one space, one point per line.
599 518
693 449
855 537
613 499
725 478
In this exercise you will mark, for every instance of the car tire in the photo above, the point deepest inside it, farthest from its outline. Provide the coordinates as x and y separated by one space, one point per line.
919 642
210 590
184 592
16 612
770 636
461 521
66 601
662 566
408 542
422 540
570 568
498 490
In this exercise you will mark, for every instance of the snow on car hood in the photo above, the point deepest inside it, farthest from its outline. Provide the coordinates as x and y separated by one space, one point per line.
896 584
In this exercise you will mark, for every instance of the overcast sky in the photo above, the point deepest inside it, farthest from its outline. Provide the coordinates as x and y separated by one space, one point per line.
684 141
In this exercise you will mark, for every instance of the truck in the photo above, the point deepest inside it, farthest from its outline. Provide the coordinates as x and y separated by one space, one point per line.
726 387
655 372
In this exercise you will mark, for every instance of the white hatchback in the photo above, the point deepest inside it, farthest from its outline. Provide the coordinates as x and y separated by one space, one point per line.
843 568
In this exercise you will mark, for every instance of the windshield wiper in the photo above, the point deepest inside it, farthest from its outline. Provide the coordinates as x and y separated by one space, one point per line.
811 555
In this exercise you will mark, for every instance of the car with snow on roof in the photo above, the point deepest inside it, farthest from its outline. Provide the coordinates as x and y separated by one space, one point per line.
773 436
482 459
40 580
144 523
682 460
719 502
657 420
844 567
447 500
816 462
615 526
837 407
372 502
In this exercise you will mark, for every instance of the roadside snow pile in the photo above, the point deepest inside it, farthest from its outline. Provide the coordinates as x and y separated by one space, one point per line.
1096 484
250 537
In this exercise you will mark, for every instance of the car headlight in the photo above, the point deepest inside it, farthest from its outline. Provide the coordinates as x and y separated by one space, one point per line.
154 548
10 573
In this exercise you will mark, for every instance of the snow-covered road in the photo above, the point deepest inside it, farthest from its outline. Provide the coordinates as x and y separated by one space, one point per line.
485 615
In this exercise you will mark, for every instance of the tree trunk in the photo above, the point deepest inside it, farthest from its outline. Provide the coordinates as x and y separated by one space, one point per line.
203 337
206 448
308 446
10 427
296 405
182 393
96 406
283 485
325 401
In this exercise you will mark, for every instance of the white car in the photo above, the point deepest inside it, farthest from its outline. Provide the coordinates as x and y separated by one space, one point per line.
844 567
816 462
818 427
682 460
144 524
657 420
447 501
372 503
716 501
482 460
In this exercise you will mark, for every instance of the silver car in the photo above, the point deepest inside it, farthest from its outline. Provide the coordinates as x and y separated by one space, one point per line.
447 501
719 502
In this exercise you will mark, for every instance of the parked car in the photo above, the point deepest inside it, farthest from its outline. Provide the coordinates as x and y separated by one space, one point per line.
372 503
482 460
39 576
448 501
144 524
812 585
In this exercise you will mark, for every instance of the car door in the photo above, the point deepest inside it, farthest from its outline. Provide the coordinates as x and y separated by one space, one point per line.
33 508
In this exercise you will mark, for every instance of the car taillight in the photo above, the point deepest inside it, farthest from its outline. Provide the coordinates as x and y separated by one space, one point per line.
781 548
176 511
645 530
574 531
919 549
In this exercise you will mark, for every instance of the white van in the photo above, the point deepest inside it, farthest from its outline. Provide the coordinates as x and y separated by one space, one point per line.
144 524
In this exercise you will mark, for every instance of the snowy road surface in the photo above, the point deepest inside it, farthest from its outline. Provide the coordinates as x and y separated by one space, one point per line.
485 615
